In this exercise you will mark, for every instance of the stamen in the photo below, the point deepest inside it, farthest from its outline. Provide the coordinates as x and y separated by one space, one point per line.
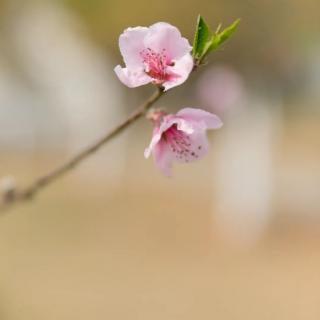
156 64
180 144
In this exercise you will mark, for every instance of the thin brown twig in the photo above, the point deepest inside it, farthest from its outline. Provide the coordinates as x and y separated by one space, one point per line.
13 195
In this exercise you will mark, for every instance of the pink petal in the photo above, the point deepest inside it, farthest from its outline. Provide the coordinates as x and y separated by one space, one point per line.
171 120
197 150
163 35
180 71
167 122
163 158
154 141
132 78
210 120
131 43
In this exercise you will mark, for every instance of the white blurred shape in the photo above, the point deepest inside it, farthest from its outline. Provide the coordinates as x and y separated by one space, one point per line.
65 66
71 76
243 174
7 184
16 122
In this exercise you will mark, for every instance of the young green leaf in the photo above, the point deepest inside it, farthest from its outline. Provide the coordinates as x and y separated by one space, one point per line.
220 37
201 38
205 41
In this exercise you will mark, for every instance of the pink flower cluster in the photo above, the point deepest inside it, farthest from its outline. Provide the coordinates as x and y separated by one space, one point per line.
160 55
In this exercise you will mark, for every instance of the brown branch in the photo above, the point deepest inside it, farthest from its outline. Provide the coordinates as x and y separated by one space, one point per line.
12 195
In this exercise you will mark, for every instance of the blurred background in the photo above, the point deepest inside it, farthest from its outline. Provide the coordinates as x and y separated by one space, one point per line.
235 236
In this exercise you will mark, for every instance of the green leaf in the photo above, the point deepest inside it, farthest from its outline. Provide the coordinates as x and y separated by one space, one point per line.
201 38
205 41
220 37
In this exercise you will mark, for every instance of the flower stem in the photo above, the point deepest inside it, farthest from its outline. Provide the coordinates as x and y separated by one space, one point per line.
13 196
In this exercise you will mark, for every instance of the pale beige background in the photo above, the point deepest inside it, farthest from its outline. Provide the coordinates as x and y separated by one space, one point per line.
235 236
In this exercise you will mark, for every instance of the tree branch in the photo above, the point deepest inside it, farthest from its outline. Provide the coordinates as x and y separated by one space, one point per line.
13 195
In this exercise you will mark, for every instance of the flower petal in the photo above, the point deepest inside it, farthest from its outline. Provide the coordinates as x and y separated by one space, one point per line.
163 158
163 35
131 43
155 139
167 122
197 150
132 78
180 72
171 120
210 120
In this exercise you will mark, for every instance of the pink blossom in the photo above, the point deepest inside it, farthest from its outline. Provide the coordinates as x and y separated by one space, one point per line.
158 54
180 137
222 89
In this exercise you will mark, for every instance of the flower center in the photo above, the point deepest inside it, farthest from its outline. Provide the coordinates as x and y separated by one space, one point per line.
179 143
156 64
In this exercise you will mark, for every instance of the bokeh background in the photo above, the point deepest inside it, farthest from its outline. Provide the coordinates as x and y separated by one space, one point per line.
235 236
